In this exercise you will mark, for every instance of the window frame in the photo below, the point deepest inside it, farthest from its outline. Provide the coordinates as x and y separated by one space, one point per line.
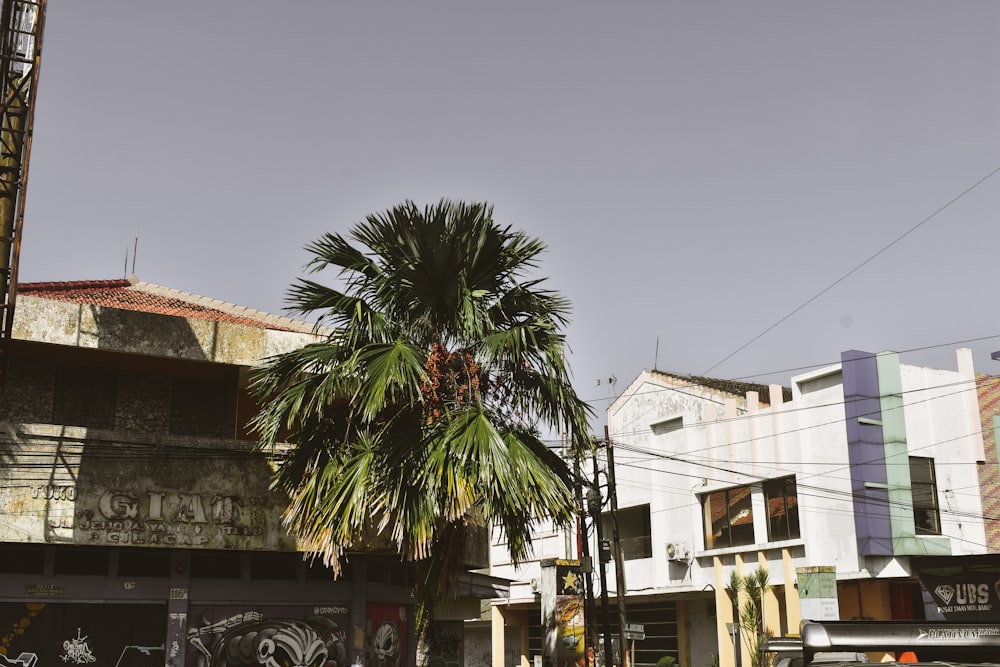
928 483
733 495
635 545
790 515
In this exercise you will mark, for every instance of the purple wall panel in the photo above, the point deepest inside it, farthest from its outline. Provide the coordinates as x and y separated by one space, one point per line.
866 453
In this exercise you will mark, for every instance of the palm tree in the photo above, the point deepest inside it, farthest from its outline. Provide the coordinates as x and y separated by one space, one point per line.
418 417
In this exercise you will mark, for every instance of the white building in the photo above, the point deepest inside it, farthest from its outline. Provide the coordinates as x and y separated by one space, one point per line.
858 467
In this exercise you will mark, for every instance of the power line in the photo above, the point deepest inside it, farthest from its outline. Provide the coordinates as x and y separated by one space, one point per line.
750 378
854 270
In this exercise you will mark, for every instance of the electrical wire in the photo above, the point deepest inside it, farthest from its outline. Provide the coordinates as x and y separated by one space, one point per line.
853 270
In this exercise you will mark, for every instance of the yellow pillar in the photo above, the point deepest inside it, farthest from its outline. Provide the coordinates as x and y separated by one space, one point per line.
740 601
723 616
497 622
792 610
770 609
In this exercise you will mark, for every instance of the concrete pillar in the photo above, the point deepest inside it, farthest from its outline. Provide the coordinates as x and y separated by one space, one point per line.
792 612
497 621
770 607
723 616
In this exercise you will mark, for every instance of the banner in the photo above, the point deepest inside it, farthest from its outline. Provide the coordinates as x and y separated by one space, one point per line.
964 588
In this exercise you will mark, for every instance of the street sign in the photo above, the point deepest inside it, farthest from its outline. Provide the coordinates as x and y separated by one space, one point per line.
635 631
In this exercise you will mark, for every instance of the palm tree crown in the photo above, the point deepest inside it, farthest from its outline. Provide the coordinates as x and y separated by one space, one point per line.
419 412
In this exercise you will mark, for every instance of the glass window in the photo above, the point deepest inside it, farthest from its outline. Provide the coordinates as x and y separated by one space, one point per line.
926 516
728 518
782 509
633 531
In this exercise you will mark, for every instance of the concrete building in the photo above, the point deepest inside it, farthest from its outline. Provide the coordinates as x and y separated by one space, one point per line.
136 523
851 478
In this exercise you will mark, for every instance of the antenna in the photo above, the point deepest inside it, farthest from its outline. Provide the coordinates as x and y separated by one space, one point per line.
656 357
135 251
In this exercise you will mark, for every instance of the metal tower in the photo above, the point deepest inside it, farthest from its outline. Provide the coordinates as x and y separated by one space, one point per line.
21 23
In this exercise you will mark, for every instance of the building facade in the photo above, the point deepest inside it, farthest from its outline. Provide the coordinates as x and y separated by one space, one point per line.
839 487
137 526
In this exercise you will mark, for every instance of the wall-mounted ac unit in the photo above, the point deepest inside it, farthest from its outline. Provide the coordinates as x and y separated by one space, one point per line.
678 551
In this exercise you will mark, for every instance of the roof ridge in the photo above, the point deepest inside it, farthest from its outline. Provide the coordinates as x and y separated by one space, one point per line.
727 386
222 306
65 289
64 285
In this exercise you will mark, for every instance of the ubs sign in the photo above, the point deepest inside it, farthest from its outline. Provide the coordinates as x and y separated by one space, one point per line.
963 589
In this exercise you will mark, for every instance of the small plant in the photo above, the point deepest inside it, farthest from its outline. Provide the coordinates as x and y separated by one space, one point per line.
750 615
667 661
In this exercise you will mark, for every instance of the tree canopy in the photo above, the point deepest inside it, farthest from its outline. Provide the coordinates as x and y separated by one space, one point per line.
419 413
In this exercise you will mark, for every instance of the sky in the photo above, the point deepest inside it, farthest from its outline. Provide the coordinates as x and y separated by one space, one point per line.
737 189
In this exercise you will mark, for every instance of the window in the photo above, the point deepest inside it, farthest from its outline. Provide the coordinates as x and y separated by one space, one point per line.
198 409
82 560
667 426
216 564
926 517
633 531
144 563
274 566
728 518
85 397
782 509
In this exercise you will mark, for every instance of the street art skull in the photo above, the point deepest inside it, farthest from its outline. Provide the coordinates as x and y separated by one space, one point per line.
271 643
386 645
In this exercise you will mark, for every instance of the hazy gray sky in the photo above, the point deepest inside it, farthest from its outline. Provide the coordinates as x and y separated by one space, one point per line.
698 169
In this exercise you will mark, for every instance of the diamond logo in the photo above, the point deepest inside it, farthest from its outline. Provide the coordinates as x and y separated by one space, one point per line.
945 592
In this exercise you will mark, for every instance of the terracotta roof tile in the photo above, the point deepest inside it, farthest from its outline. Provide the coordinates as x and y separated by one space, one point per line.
131 295
729 386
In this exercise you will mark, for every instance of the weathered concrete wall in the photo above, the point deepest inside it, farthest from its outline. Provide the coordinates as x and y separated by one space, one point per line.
67 484
80 325
42 392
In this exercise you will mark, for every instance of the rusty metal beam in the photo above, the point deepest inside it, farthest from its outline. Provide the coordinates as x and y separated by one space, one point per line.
21 25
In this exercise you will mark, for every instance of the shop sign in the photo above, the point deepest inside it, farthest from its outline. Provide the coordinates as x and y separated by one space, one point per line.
43 590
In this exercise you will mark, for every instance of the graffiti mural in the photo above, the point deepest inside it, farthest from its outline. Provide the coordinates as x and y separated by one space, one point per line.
47 634
268 636
386 635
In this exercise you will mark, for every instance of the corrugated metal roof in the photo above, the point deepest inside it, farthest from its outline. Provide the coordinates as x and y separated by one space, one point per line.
132 294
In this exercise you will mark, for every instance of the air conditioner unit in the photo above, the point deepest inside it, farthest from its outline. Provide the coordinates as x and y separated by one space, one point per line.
678 551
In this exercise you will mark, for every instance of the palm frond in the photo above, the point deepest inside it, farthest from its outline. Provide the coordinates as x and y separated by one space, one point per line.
418 412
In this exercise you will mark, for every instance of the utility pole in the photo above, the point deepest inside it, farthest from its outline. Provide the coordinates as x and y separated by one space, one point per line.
594 504
617 549
583 549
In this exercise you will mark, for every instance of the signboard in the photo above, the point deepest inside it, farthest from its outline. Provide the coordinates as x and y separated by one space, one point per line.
964 589
635 631
818 593
562 613
168 499
43 590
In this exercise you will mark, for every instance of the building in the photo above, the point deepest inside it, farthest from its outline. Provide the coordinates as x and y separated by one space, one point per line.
137 526
840 486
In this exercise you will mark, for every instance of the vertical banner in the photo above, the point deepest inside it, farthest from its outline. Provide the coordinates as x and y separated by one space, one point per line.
561 588
386 635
